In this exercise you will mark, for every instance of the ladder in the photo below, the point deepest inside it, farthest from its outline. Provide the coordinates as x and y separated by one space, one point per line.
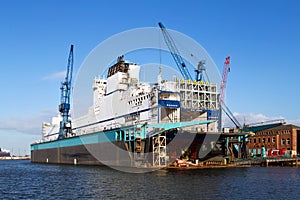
138 152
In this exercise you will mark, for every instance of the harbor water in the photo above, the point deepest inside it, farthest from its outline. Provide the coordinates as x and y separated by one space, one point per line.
20 179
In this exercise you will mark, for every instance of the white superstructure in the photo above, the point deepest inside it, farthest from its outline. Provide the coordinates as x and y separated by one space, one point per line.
122 100
50 130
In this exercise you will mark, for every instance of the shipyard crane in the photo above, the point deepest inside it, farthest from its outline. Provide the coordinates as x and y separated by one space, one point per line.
199 71
64 107
226 69
175 53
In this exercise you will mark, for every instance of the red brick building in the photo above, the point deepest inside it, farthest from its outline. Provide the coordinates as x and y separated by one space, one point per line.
280 137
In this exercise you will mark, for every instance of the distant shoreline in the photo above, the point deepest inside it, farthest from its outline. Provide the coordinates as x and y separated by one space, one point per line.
15 158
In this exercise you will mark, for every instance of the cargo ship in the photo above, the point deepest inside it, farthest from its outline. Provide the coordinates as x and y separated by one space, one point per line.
133 123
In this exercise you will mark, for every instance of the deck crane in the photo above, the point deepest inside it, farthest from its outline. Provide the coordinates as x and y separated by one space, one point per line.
175 53
64 107
227 111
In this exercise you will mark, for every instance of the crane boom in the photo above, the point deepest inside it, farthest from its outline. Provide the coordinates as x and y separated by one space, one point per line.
175 53
231 116
227 111
64 107
226 69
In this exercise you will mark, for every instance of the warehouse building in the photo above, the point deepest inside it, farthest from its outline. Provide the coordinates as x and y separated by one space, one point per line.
283 137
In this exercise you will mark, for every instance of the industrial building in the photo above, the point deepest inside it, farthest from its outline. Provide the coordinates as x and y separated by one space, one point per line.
285 137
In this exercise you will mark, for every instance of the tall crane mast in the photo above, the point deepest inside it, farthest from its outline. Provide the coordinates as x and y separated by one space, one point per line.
227 111
64 107
175 53
226 69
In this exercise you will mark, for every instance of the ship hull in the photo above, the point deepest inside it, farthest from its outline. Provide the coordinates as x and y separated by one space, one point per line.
104 148
100 148
80 155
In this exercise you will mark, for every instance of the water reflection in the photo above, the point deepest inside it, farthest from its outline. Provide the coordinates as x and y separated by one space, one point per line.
22 180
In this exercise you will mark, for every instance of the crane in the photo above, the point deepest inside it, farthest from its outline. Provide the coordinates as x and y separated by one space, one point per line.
226 69
231 116
64 107
199 71
223 107
175 53
227 111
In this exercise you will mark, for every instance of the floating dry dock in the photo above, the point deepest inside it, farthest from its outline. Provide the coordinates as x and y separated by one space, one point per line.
127 146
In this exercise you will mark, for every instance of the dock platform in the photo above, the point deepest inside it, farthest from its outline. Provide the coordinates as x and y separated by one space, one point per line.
264 162
281 161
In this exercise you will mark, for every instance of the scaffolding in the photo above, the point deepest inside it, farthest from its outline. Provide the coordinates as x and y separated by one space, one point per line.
159 143
198 95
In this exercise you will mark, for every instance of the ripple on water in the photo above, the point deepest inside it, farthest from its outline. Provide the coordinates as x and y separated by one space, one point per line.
23 180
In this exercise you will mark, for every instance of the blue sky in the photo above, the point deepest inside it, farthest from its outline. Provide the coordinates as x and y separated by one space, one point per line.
262 38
